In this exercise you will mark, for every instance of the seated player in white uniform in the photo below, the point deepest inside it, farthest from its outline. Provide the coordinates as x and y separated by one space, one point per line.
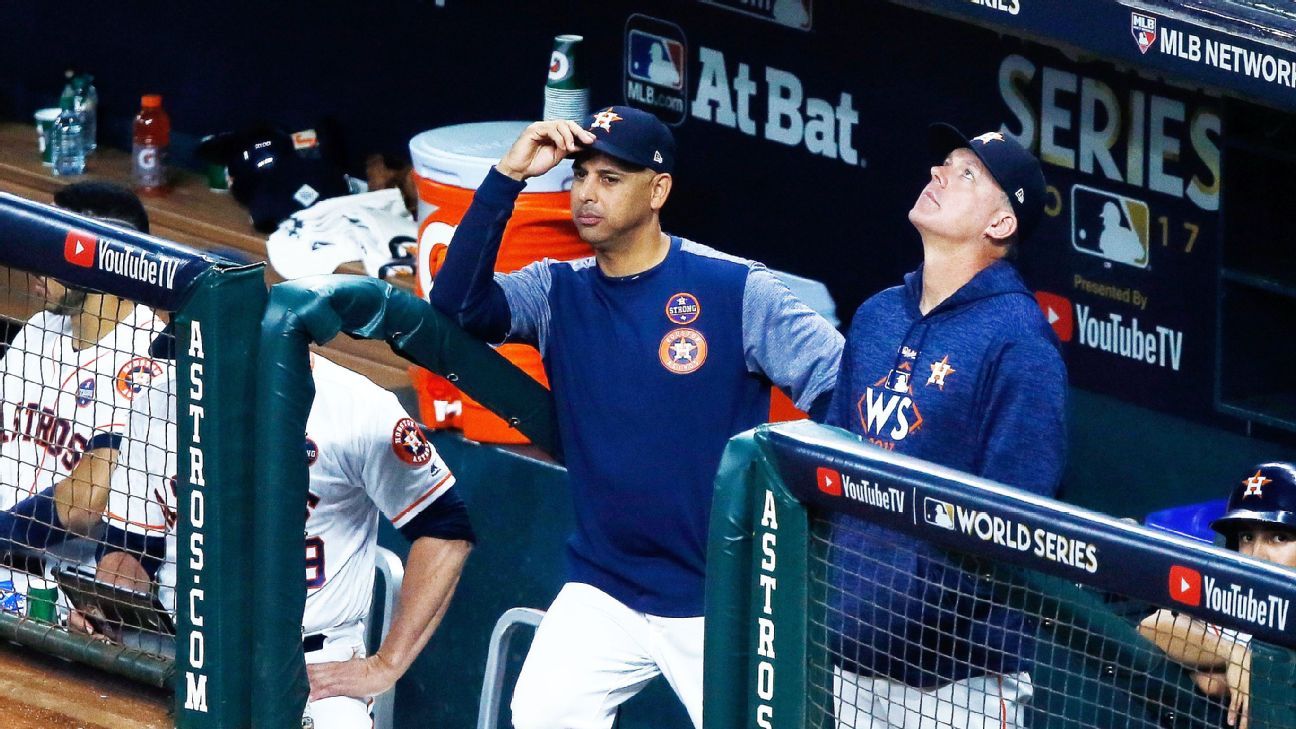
67 382
366 456
1260 522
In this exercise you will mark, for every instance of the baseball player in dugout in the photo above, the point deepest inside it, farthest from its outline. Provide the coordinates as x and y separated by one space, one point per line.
67 382
366 456
658 350
1260 522
956 366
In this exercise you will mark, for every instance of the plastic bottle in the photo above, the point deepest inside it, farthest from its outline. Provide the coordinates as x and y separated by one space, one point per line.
151 138
69 88
68 138
87 98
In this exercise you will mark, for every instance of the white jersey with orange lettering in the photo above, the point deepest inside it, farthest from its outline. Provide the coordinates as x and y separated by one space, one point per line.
366 456
56 398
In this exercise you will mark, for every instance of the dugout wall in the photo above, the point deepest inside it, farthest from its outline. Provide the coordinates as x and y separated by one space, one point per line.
774 562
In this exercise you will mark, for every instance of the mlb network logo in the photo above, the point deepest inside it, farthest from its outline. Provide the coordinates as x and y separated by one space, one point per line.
79 248
829 481
1144 28
1185 585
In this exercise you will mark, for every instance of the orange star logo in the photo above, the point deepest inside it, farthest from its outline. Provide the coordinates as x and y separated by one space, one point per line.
604 119
1254 483
939 371
989 137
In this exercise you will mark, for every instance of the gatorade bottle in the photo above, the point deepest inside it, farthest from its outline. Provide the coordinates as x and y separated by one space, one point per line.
152 135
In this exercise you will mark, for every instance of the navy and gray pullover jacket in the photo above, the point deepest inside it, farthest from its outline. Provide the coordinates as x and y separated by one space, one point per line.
651 375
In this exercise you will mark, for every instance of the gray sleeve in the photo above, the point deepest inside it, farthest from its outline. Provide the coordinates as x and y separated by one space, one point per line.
785 340
527 293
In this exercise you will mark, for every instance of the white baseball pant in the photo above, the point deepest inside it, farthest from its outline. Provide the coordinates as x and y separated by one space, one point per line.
591 654
339 712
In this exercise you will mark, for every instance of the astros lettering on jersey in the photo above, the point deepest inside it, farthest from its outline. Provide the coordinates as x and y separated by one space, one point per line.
366 455
56 398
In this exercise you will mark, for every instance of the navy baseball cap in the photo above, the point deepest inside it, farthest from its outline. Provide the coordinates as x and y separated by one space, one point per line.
633 136
275 173
1016 170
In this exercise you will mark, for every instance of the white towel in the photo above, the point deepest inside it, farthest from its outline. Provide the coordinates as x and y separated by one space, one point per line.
371 227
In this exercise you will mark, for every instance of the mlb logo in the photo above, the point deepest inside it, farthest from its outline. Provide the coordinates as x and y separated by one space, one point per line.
1185 585
656 59
1058 311
898 381
1144 29
1110 226
829 481
938 513
79 248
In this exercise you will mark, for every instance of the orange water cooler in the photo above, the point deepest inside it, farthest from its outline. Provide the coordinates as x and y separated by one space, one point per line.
449 163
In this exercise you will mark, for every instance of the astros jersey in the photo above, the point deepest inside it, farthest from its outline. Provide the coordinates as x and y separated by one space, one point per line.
56 398
366 455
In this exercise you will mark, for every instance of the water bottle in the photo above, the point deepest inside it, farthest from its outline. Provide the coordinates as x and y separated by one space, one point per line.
87 100
69 87
68 139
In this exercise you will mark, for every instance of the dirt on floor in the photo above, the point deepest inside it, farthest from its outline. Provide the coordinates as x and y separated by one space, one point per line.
41 692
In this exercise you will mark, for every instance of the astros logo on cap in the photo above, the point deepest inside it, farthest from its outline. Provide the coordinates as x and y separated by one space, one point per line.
1254 484
603 119
682 350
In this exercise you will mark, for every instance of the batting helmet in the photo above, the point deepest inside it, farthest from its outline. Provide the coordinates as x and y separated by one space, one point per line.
1266 495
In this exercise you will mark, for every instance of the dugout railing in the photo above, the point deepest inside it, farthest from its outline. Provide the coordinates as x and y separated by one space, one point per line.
779 568
215 306
242 392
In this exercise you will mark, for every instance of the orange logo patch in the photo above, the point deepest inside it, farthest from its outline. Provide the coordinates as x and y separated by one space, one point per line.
136 375
409 444
682 350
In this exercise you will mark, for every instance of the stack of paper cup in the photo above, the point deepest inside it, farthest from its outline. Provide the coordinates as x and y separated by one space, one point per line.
44 123
565 96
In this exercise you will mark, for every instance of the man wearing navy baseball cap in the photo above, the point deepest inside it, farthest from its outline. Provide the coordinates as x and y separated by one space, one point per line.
658 350
959 367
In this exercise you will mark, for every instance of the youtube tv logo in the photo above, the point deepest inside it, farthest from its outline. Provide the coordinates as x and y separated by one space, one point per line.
79 248
1185 585
1058 311
829 481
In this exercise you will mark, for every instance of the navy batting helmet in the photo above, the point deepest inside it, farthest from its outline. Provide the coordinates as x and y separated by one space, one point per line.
1266 494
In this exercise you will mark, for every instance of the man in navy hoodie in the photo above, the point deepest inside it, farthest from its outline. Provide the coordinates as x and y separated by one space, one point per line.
958 367
658 350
